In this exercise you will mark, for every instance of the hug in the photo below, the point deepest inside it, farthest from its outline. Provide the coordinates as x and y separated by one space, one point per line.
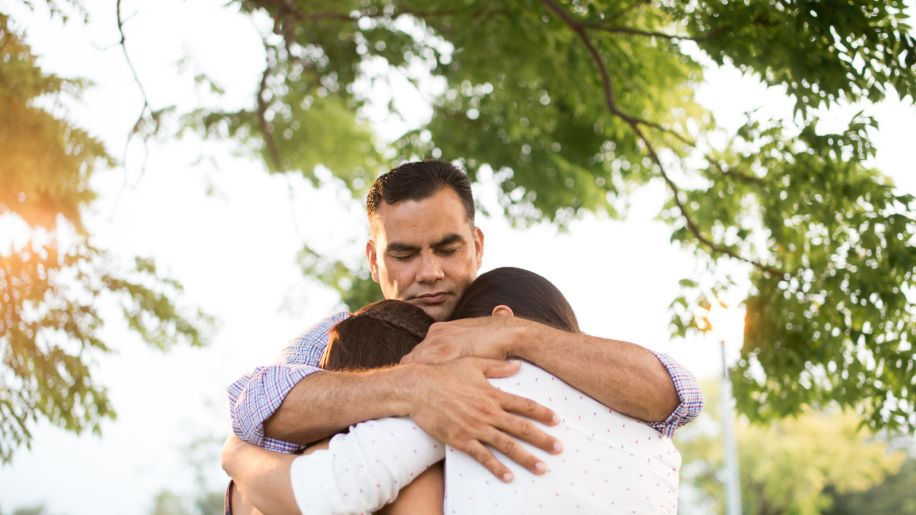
462 394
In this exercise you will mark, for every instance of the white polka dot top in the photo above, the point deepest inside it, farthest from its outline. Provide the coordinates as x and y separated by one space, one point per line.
611 463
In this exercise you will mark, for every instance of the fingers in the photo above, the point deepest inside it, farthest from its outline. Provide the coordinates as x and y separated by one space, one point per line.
483 456
497 367
528 408
429 355
516 452
525 430
484 416
415 355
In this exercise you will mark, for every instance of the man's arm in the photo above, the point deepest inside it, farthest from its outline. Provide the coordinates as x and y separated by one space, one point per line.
623 376
283 407
453 402
256 396
328 402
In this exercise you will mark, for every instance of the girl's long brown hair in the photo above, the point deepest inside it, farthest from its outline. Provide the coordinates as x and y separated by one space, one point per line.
378 335
383 332
528 294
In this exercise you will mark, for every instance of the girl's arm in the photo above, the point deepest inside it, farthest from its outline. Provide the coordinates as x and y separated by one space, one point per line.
363 470
425 494
262 478
360 471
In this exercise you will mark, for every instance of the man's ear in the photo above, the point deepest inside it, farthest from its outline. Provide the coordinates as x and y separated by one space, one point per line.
502 310
478 246
372 257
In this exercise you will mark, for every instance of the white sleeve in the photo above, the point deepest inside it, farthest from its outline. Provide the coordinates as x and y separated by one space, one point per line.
363 470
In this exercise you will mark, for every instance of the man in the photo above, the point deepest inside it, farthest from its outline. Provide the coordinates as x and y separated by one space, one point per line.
425 249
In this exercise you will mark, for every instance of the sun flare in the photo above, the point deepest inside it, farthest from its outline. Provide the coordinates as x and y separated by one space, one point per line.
723 322
14 234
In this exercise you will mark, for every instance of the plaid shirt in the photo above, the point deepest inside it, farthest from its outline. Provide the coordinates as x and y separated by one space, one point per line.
254 397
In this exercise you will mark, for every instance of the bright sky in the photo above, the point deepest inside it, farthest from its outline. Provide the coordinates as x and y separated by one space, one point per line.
230 233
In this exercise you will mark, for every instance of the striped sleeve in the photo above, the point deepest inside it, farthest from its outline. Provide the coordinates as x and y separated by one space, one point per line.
254 397
688 391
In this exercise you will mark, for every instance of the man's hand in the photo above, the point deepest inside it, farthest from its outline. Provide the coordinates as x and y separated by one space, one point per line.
455 404
483 337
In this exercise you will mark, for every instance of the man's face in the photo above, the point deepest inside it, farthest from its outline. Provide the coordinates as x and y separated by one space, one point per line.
425 251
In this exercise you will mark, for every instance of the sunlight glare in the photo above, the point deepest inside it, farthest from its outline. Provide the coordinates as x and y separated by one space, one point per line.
724 323
14 234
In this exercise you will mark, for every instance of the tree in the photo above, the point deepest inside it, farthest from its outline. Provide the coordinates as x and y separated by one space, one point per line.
168 503
54 284
350 282
201 453
575 104
794 465
31 510
892 496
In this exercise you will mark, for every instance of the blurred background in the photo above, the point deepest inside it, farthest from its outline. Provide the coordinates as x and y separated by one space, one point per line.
181 189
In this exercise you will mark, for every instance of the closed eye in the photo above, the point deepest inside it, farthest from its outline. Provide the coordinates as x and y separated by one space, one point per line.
450 250
401 257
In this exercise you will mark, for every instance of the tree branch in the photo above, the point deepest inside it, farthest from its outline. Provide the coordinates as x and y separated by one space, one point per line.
145 111
615 29
637 4
691 225
737 174
263 124
285 7
380 14
635 123
609 97
146 105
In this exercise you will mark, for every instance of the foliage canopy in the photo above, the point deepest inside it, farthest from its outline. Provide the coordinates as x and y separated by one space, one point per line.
892 496
797 465
54 286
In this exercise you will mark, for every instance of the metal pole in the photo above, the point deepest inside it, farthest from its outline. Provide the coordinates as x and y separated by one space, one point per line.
732 485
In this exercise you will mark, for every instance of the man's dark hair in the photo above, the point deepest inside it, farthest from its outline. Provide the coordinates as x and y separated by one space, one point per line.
417 181
528 294
378 335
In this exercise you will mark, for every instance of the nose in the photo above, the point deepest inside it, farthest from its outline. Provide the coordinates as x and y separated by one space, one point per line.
430 268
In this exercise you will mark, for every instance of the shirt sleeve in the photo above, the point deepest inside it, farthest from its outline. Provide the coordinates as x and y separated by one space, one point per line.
255 396
688 391
363 470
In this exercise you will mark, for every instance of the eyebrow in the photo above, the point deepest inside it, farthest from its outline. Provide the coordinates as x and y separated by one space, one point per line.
448 239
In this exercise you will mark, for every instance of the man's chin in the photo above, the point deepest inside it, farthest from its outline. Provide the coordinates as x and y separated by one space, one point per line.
438 312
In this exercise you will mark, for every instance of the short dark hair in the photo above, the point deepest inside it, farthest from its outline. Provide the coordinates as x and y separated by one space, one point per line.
417 181
528 294
378 335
